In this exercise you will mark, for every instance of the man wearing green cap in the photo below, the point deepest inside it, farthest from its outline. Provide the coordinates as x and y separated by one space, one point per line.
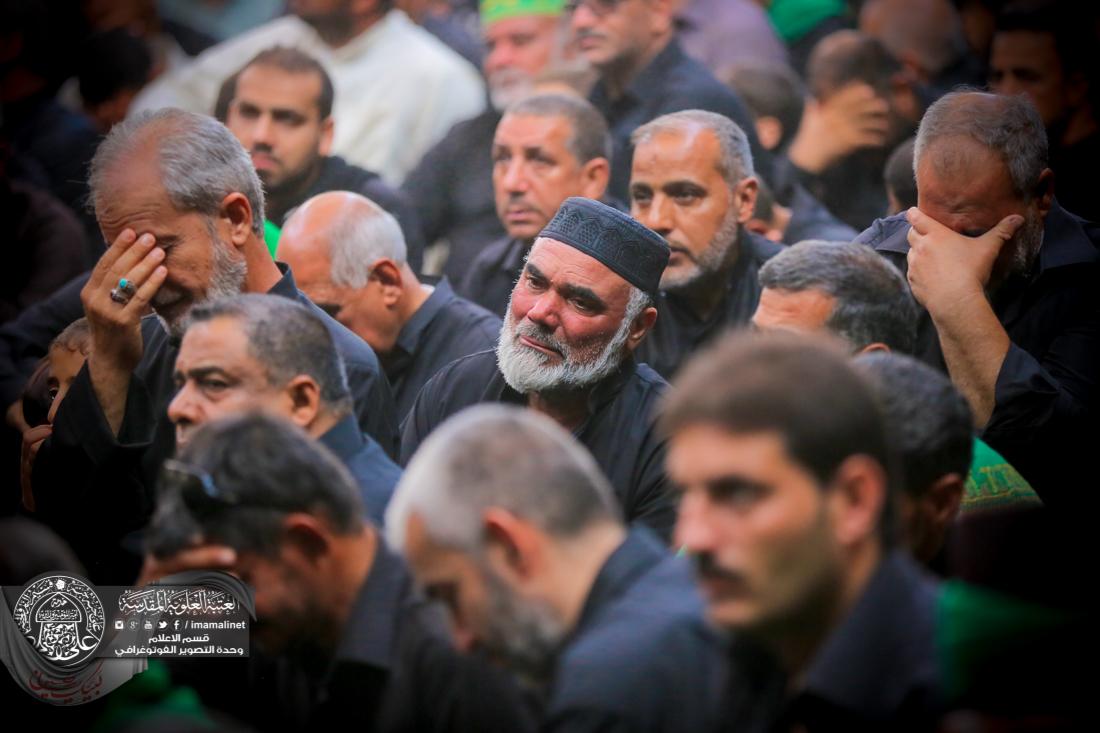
452 186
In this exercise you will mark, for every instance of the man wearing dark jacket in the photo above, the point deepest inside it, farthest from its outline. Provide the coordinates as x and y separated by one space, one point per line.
279 105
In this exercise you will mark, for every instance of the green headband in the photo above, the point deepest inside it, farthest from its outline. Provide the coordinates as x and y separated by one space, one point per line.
494 10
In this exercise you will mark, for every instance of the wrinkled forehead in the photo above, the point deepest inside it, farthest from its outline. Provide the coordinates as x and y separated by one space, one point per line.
960 174
566 265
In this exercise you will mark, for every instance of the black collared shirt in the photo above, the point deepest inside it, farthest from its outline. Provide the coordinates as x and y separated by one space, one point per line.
452 189
394 669
619 432
1046 414
642 656
444 328
670 83
493 274
679 332
94 487
877 670
372 469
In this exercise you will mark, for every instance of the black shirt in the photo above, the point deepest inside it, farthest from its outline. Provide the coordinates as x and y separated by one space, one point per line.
678 332
811 220
372 469
877 670
452 189
339 175
444 328
94 487
619 432
642 656
394 669
1045 417
672 82
493 274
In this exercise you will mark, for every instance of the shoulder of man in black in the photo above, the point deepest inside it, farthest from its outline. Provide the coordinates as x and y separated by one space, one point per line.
643 656
492 275
889 237
463 382
431 186
339 175
374 471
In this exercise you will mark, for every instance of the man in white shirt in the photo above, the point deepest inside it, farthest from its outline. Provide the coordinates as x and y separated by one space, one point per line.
398 88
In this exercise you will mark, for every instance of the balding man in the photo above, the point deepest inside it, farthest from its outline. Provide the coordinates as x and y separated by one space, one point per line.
1008 280
179 199
576 316
350 258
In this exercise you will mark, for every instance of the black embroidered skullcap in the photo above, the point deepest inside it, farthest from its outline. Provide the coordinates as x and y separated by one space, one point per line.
632 250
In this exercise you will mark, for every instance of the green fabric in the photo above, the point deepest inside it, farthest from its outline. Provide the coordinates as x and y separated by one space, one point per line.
976 627
150 697
794 18
271 237
494 10
994 483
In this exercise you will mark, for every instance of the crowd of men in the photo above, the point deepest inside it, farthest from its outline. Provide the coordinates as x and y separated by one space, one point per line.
565 365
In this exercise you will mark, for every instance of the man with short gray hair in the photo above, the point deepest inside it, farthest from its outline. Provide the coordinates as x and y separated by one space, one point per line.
840 287
1008 282
179 199
510 522
262 352
350 258
693 183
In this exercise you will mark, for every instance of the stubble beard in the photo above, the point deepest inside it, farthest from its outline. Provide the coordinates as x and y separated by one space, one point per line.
711 261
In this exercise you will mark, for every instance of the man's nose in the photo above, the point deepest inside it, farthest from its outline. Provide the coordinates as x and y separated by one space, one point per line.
693 531
515 176
544 311
657 216
183 407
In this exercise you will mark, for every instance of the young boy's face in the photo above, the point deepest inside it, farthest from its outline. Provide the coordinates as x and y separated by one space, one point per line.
65 364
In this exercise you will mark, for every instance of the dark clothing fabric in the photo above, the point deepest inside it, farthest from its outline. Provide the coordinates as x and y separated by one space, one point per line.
642 657
877 670
493 274
1045 417
811 220
394 669
26 339
1075 169
852 189
444 328
52 147
672 82
95 487
339 175
619 432
372 469
448 28
44 245
679 332
452 190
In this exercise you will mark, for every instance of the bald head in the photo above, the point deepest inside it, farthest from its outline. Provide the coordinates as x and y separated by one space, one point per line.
348 231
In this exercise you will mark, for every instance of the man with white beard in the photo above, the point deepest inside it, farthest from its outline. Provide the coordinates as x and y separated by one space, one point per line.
581 307
452 186
693 183
179 198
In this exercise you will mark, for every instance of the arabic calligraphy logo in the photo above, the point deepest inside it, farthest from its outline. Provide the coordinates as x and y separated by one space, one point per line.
62 616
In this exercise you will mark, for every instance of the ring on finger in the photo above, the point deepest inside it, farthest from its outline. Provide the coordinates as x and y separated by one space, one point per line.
127 287
119 297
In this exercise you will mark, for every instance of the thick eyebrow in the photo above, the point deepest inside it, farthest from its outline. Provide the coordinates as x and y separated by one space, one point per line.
167 241
678 188
570 291
202 373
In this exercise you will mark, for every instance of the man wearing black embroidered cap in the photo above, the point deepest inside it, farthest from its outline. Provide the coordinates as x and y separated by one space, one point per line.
582 305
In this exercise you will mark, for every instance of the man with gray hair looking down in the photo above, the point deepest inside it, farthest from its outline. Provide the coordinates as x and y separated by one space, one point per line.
510 522
693 183
179 199
580 309
350 258
1007 279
